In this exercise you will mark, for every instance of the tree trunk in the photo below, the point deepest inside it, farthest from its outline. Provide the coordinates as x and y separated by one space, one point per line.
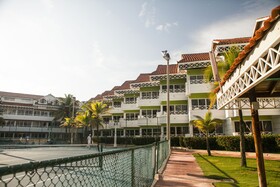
207 145
243 162
97 137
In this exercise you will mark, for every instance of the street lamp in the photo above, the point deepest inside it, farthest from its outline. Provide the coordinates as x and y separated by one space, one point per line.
166 56
115 135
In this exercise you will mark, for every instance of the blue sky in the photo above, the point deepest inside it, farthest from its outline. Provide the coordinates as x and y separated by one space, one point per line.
84 47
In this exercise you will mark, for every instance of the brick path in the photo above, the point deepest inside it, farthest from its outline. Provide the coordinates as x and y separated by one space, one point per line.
182 170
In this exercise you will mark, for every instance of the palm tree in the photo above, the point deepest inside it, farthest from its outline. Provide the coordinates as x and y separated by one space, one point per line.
223 66
66 110
2 121
95 111
206 125
69 122
83 120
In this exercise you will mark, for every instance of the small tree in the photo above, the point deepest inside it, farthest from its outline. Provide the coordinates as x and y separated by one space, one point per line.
206 125
95 110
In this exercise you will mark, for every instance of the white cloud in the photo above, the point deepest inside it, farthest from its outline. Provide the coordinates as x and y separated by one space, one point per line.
233 27
98 56
166 26
48 3
148 14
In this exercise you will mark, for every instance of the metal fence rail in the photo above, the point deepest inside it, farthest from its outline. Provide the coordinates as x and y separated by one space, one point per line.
129 167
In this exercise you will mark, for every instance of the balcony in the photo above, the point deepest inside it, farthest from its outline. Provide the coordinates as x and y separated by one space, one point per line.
173 96
174 118
148 121
152 101
130 106
128 123
116 109
215 113
202 87
26 117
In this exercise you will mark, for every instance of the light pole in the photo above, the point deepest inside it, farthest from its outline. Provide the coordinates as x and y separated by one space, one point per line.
115 135
166 56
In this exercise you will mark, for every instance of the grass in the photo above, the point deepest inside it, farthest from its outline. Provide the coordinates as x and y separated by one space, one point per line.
228 169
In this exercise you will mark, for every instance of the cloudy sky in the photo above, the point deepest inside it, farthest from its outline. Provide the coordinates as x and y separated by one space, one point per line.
85 47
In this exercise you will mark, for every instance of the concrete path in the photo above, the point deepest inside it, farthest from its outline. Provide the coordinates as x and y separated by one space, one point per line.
182 170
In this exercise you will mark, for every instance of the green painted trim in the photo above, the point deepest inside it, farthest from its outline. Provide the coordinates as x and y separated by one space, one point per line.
199 71
154 88
117 114
150 107
131 128
176 125
175 102
249 118
149 126
132 95
199 95
174 81
119 99
131 111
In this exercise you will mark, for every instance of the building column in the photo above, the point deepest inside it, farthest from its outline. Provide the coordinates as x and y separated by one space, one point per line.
140 132
161 133
191 130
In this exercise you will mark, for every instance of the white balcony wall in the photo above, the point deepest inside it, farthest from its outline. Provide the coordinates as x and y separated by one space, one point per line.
173 96
31 129
128 123
24 117
113 124
174 118
198 88
215 114
262 112
148 121
133 106
148 102
116 110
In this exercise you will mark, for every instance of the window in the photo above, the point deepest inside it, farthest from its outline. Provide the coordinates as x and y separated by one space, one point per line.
177 109
150 95
202 104
117 104
150 113
132 116
265 127
130 100
197 79
177 88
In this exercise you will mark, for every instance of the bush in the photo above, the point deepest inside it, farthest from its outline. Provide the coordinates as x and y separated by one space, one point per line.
229 143
271 143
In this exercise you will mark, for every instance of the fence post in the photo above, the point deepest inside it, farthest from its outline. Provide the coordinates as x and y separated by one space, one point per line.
101 162
132 169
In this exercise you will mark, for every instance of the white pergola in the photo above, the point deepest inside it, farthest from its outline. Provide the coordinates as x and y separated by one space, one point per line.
254 80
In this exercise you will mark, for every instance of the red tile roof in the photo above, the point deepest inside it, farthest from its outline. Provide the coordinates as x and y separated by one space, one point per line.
194 57
143 77
125 85
20 95
98 97
231 41
258 35
161 69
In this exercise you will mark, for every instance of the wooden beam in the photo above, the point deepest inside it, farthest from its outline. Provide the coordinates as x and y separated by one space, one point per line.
257 139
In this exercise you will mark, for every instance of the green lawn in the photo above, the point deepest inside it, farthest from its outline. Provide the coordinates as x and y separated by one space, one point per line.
229 168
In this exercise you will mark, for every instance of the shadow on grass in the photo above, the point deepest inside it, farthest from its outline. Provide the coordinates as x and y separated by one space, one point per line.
216 176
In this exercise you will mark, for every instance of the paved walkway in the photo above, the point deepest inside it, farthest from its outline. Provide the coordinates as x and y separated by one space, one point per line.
182 170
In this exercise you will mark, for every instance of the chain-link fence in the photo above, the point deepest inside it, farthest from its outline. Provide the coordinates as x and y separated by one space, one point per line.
129 167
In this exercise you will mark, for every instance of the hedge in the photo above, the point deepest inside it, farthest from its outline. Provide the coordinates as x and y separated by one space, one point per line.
271 143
